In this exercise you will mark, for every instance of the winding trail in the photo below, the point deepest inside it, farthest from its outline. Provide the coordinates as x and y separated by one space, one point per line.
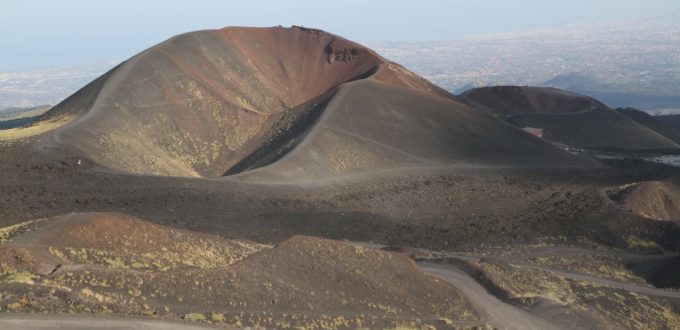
19 321
565 251
518 259
652 291
503 315
497 313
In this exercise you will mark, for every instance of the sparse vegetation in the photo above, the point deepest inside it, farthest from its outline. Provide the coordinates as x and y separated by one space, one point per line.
34 129
637 243
117 264
596 265
628 310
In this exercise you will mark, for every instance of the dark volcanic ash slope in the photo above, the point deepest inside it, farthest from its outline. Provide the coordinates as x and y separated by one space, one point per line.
568 118
652 122
510 100
213 102
373 125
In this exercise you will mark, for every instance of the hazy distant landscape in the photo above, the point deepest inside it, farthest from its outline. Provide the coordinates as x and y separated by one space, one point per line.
625 64
634 63
30 88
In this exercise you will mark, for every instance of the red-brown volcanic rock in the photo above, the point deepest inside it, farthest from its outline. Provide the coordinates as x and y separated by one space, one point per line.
212 102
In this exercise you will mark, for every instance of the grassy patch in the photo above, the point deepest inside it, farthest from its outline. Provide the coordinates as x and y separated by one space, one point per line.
637 243
37 129
10 232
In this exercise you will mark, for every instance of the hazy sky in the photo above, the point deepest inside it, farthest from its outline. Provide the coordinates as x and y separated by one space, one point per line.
46 33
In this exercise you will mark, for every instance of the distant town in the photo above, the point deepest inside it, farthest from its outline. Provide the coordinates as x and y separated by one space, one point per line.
638 61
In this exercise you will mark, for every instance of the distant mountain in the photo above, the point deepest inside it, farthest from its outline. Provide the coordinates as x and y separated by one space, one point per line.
572 81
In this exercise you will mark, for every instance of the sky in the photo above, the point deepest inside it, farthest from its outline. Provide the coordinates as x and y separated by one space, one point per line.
48 33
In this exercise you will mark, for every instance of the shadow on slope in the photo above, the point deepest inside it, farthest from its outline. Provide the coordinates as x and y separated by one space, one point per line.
371 125
661 273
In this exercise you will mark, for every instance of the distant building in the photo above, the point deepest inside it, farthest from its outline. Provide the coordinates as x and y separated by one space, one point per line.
535 131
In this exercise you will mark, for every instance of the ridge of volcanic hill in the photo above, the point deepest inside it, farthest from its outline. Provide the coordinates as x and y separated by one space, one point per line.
216 102
658 200
568 119
509 100
372 125
200 102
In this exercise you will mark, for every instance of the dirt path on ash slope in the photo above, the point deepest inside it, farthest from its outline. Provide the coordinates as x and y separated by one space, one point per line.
20 321
494 311
518 259
504 315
